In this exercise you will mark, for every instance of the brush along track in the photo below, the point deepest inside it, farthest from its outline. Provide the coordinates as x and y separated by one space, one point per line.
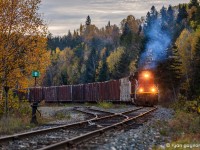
98 127
58 129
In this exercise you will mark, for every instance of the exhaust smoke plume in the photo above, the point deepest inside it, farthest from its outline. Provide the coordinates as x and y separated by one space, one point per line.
155 48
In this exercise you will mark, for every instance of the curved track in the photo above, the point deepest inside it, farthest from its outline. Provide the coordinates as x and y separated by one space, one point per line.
115 121
81 131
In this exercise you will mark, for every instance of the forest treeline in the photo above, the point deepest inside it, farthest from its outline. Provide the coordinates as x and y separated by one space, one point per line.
92 54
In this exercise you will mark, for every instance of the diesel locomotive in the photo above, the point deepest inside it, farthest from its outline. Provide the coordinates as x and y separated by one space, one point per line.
144 91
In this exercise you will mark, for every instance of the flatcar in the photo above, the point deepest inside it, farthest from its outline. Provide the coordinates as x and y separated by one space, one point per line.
146 91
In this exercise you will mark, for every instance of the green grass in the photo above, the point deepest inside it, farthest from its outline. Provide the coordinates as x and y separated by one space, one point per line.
61 115
89 104
106 105
13 124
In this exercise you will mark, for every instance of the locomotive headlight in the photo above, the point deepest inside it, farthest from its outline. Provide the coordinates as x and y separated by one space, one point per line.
153 90
146 75
141 90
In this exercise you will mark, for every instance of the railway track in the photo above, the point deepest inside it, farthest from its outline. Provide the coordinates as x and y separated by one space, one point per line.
72 134
93 112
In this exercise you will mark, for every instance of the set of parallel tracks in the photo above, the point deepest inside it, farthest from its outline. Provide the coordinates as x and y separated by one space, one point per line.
101 122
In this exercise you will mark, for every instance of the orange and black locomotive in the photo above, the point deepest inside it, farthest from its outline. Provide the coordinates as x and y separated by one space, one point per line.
144 91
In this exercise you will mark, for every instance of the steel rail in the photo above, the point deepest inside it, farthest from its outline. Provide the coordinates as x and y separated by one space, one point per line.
103 111
88 111
85 112
42 131
87 136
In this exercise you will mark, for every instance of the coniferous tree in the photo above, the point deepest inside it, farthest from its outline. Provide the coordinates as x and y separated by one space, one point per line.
147 23
196 70
148 19
169 72
108 24
50 42
182 14
102 71
193 3
194 11
175 66
163 13
69 39
154 14
151 19
170 15
91 67
198 16
88 21
122 69
140 29
126 35
81 29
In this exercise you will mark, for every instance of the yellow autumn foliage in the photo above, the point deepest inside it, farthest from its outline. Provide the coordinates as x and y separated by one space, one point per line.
23 44
114 58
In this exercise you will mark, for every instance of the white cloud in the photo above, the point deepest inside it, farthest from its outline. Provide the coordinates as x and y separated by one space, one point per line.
64 15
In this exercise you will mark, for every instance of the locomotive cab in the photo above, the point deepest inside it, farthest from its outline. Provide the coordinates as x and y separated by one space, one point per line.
147 91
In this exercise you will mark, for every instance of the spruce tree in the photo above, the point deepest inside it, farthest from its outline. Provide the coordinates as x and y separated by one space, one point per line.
91 67
182 14
81 29
153 15
175 64
88 21
169 72
103 71
196 70
147 23
151 19
193 3
108 24
163 14
170 15
126 37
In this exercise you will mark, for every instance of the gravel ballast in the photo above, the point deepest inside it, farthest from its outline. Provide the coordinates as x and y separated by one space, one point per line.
144 136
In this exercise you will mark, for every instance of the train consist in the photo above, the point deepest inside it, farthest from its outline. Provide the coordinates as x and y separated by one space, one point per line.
145 91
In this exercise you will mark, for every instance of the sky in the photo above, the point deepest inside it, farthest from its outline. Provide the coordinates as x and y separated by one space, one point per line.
64 15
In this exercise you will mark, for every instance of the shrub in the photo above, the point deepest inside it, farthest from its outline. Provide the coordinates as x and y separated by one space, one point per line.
105 105
12 124
182 104
187 123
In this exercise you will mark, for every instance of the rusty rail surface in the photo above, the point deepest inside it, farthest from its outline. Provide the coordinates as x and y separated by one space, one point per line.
43 131
93 111
90 135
